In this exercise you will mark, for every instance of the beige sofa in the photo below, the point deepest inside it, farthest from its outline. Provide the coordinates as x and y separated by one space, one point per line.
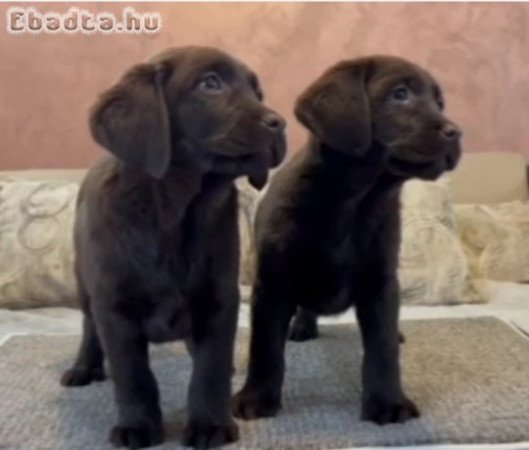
37 210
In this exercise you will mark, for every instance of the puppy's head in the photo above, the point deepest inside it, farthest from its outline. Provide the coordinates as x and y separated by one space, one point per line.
387 100
190 103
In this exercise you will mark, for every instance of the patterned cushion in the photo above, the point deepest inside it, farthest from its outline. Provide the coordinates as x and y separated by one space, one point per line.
36 255
248 201
36 242
36 258
433 267
496 239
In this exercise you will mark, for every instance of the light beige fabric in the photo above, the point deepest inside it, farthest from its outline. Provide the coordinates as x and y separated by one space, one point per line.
248 201
36 258
433 267
496 239
72 175
36 218
490 177
37 210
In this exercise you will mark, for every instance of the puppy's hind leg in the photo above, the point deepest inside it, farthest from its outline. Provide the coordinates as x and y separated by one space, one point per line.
88 366
304 327
261 394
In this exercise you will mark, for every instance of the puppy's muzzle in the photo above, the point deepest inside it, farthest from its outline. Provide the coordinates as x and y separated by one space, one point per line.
273 122
451 134
275 125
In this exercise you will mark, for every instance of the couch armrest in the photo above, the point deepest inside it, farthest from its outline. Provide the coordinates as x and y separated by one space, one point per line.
75 175
490 177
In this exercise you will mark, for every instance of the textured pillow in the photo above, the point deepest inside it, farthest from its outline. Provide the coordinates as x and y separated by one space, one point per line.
36 241
36 254
433 267
248 201
36 260
496 239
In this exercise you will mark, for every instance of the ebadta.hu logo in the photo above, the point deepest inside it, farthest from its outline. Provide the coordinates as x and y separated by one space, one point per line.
21 20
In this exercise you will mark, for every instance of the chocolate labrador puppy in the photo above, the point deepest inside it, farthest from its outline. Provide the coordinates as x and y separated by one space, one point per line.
328 229
156 237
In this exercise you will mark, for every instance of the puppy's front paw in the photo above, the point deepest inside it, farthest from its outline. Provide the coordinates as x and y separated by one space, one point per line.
137 436
204 435
250 405
81 376
383 411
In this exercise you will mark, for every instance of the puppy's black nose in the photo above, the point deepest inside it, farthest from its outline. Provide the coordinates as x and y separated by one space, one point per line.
450 131
273 122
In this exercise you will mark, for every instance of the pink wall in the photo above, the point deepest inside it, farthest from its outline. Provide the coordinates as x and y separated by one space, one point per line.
479 52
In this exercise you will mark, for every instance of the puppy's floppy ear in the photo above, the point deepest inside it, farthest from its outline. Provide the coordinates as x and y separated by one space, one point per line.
131 121
336 109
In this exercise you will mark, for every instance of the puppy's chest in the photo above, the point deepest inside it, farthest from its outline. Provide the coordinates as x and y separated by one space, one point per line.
325 233
187 250
337 242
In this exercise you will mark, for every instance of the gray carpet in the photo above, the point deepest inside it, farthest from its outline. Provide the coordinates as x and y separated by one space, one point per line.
470 377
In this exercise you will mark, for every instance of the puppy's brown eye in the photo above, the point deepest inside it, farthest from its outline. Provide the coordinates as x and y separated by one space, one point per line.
400 94
210 83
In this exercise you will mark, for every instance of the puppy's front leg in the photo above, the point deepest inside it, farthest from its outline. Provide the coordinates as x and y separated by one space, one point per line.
136 392
383 399
214 317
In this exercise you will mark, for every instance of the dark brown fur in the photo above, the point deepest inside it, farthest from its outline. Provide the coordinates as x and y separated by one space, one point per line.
328 229
156 238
